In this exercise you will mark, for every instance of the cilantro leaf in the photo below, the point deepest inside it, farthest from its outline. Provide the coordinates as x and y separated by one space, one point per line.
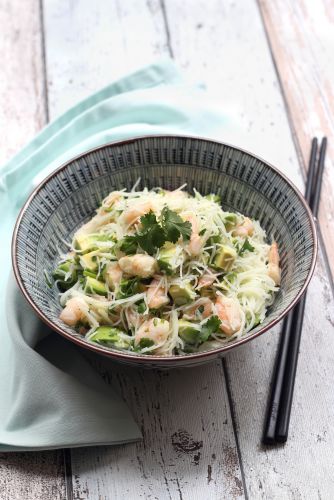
145 342
211 326
174 226
127 288
151 236
141 307
148 220
246 247
128 245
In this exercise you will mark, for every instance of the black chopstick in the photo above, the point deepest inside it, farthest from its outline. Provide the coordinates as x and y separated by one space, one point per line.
269 435
280 401
315 198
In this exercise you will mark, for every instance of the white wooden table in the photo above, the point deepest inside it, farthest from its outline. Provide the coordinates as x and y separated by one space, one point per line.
272 63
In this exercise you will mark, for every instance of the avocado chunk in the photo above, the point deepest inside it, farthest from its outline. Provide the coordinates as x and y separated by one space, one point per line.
93 285
230 221
89 261
216 238
66 269
182 293
213 197
89 273
225 257
88 242
110 337
167 259
188 332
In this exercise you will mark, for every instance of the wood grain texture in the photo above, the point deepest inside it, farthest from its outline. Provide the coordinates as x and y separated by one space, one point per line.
22 109
248 77
90 44
188 449
223 44
32 476
22 113
301 35
289 471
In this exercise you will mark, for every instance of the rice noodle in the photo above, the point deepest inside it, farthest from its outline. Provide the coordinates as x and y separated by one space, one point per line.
246 283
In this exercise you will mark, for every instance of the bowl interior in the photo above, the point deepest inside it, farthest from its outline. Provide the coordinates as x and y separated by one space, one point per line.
246 184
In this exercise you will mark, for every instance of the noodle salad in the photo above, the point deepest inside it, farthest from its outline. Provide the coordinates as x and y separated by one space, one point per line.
165 273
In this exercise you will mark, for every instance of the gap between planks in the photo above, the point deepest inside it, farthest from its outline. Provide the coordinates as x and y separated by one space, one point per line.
23 112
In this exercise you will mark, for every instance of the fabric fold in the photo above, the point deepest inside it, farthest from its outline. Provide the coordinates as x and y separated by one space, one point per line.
50 396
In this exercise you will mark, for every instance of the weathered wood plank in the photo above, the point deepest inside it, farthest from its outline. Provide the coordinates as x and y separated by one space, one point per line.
223 44
22 113
88 46
32 476
188 449
22 104
289 471
238 68
301 37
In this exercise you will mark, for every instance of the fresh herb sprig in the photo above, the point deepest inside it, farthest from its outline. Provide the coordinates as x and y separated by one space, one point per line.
246 247
174 226
211 326
154 232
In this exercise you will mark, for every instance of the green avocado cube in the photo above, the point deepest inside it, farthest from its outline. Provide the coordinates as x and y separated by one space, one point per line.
88 242
93 285
66 268
182 293
225 258
167 259
89 261
213 197
110 337
230 221
189 332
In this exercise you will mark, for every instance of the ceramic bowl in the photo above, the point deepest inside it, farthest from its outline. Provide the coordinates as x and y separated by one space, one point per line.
69 196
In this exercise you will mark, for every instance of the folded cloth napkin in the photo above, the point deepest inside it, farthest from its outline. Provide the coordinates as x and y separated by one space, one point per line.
50 397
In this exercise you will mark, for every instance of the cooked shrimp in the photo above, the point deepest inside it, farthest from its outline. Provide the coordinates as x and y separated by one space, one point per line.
94 224
244 229
113 275
155 329
111 199
74 311
196 243
140 265
273 264
156 295
132 317
206 280
175 199
228 310
204 308
132 214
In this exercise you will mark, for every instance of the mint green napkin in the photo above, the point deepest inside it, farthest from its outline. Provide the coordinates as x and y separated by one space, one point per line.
50 397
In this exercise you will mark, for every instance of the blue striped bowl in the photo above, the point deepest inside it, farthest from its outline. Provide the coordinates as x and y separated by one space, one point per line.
246 184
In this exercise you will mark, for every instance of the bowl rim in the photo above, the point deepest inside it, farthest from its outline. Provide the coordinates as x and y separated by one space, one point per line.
151 359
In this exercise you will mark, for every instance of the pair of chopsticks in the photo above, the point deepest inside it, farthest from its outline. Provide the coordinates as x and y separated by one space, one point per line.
279 406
